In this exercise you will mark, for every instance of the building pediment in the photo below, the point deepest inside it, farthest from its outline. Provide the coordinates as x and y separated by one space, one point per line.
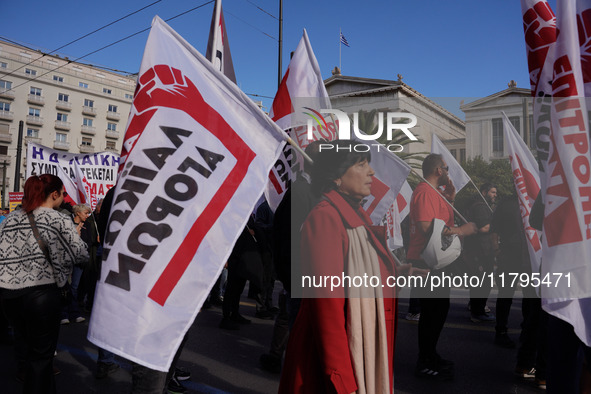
505 98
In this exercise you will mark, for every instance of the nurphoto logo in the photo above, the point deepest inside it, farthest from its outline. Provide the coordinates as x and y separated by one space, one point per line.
394 121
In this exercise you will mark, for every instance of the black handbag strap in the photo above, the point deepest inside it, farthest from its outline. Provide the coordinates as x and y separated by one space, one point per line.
42 244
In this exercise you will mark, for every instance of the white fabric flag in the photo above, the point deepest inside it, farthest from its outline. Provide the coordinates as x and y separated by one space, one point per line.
218 46
527 185
456 173
197 152
301 91
390 175
396 214
539 24
567 230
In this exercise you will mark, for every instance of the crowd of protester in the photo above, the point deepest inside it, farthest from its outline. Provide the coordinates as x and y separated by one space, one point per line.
339 342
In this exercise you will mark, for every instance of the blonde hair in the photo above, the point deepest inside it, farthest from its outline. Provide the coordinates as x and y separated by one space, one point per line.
80 208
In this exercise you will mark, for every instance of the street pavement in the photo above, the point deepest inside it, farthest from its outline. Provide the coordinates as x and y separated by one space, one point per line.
224 361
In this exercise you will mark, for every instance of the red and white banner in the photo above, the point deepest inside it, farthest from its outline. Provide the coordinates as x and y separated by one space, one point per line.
98 169
527 185
396 214
539 25
567 216
197 155
85 193
456 173
218 47
301 91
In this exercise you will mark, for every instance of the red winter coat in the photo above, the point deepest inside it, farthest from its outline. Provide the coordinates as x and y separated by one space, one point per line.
317 359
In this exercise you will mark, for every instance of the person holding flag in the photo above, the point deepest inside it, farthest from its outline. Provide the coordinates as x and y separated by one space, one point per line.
426 205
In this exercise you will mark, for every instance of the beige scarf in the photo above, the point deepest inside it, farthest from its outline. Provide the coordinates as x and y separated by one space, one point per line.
366 321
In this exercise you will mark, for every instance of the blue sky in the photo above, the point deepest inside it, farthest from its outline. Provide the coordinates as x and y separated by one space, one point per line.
457 48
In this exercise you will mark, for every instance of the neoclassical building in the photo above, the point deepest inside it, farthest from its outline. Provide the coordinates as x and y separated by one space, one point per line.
352 94
484 122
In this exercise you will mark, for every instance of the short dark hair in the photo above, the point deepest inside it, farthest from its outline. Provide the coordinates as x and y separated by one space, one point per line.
331 164
486 187
431 163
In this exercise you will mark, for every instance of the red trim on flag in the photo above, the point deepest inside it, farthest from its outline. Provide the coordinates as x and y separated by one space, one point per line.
378 191
275 182
212 121
282 105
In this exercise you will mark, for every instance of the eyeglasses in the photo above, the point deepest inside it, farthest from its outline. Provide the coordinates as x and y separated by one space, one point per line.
445 168
65 193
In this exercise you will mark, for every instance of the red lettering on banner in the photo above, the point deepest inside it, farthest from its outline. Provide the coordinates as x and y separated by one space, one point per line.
560 208
166 87
378 191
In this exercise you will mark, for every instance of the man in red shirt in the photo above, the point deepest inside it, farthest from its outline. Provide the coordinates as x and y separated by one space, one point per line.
428 204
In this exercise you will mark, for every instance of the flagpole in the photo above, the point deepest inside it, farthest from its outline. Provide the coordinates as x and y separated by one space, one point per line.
279 71
340 45
445 199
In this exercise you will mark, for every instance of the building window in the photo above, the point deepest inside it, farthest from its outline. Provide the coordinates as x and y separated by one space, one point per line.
86 141
31 72
453 153
60 137
3 65
532 133
462 155
88 103
34 112
3 150
497 137
4 106
5 85
112 126
33 133
83 85
111 145
112 108
516 123
128 96
107 91
58 78
63 97
35 91
87 122
62 117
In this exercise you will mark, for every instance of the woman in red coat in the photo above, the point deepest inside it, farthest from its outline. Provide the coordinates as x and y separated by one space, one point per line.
343 337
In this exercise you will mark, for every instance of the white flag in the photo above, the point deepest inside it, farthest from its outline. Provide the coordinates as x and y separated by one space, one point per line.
396 214
390 175
527 185
567 215
301 91
197 152
218 47
539 24
456 173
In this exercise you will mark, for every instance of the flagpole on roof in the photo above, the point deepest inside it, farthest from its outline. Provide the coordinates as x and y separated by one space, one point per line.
340 45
